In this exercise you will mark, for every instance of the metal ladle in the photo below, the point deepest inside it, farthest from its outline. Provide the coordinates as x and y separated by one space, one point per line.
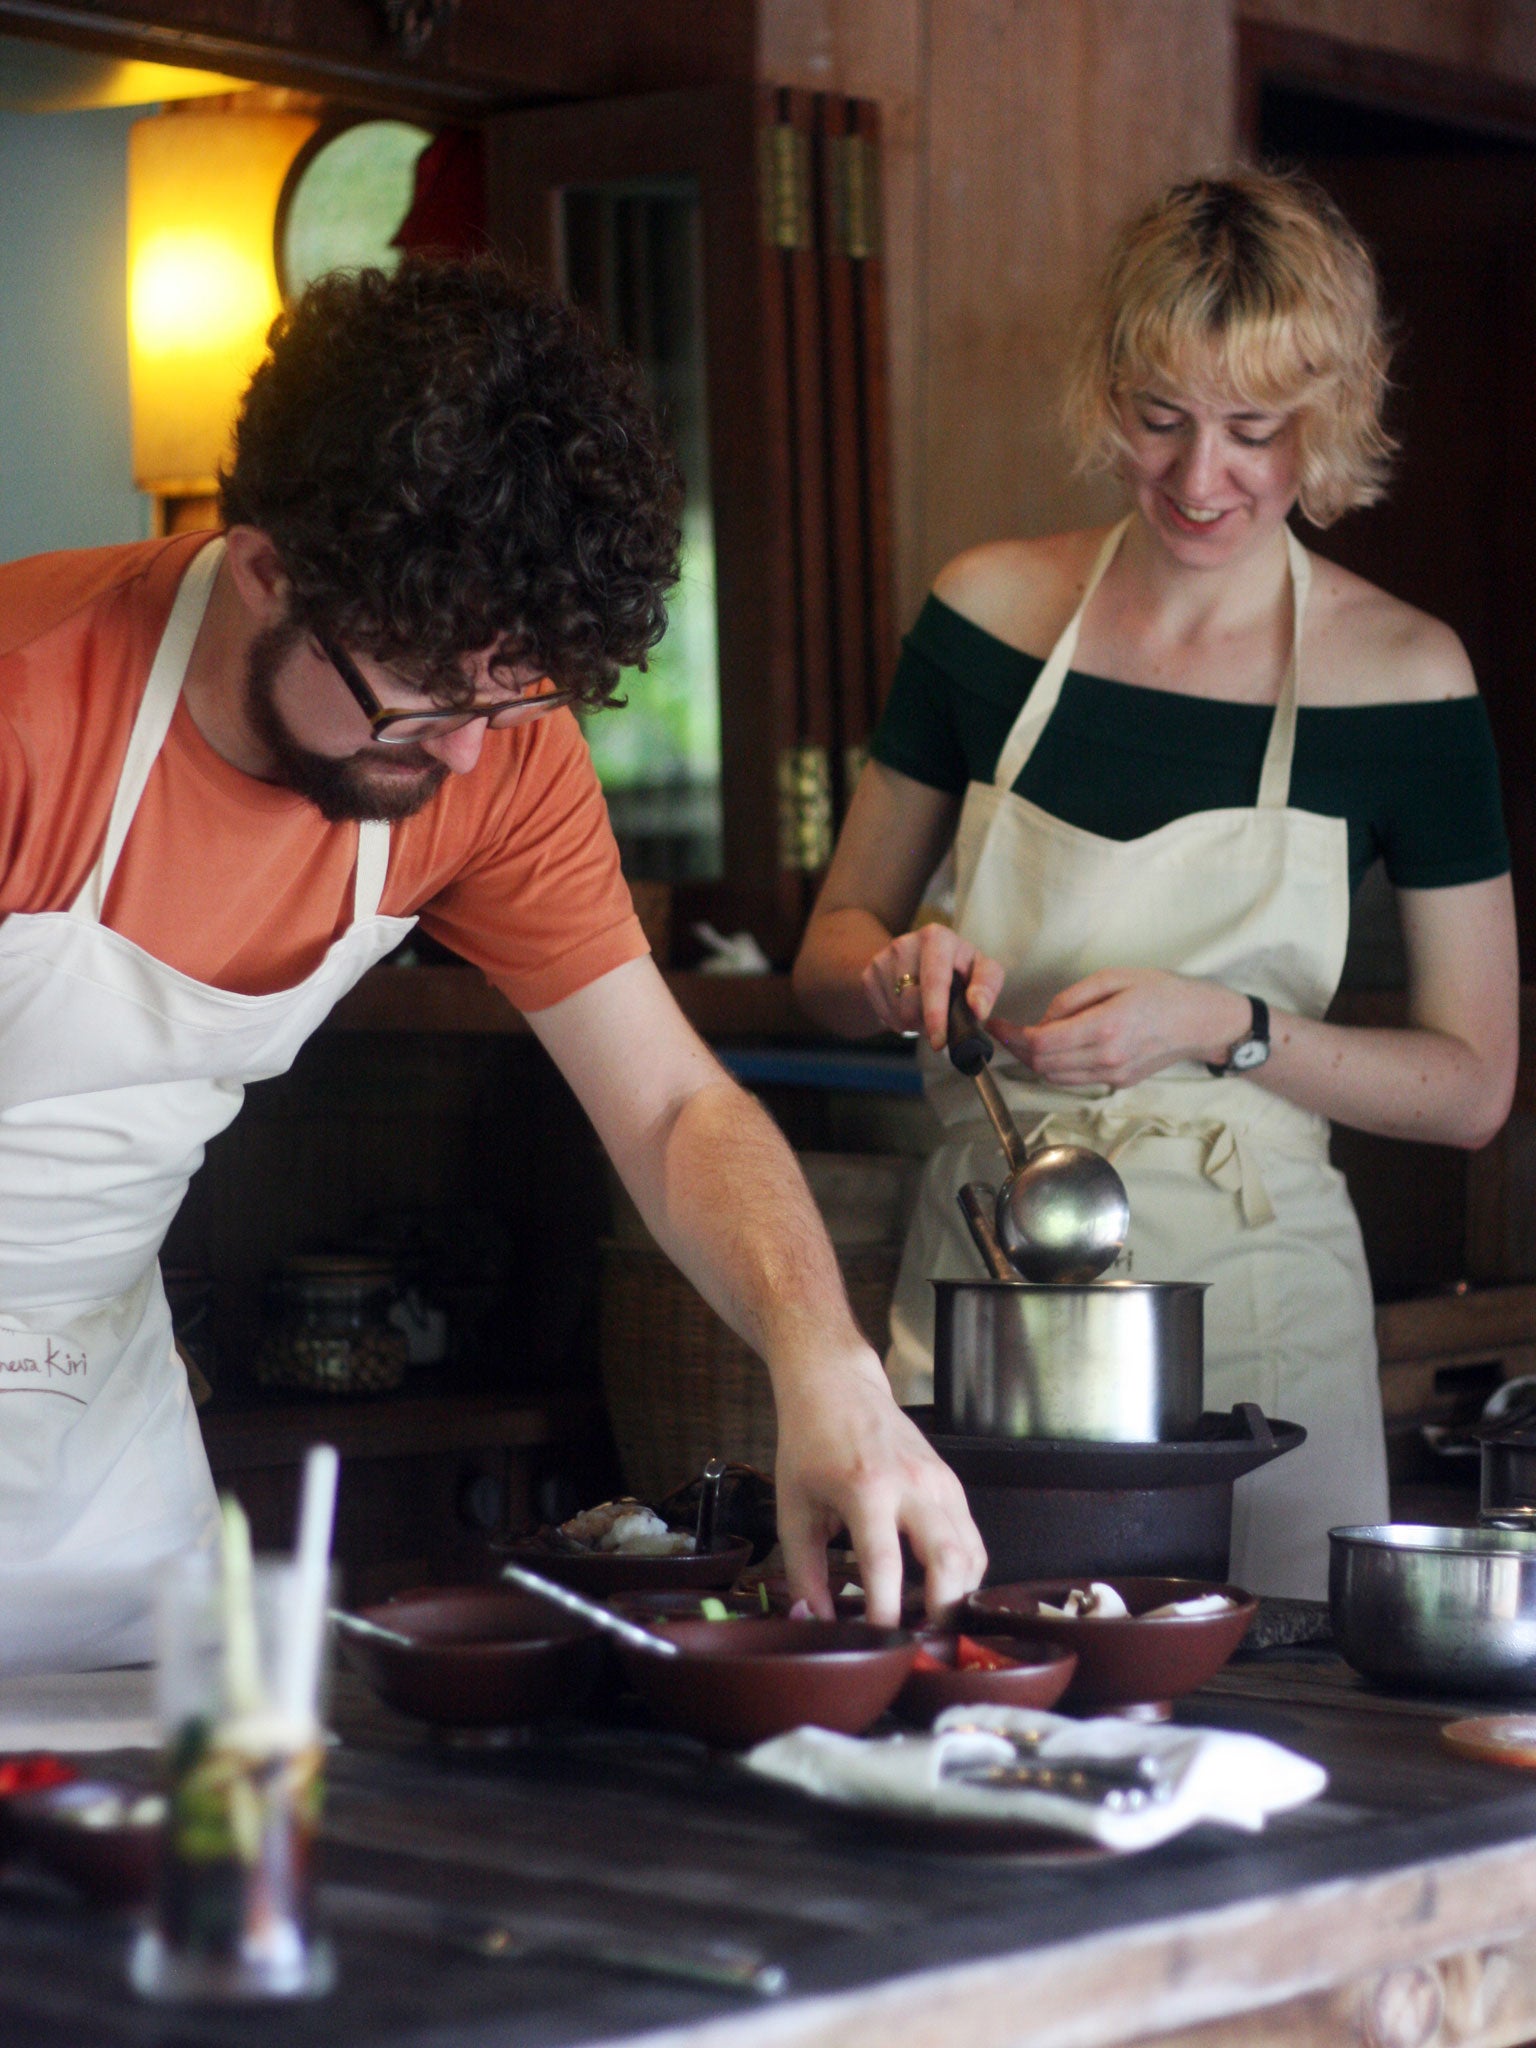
1062 1213
709 1506
600 1617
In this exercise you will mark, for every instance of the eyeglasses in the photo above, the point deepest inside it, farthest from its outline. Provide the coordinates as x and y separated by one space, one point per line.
399 728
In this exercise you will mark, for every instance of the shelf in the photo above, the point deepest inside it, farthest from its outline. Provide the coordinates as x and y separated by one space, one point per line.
460 999
843 1068
242 1435
727 1008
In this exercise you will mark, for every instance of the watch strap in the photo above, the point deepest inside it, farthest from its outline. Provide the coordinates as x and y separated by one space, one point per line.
1258 1031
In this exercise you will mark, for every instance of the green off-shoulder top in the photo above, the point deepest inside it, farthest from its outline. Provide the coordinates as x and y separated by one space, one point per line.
1417 783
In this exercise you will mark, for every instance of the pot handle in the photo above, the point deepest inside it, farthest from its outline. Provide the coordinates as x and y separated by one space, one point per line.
1256 1423
978 1205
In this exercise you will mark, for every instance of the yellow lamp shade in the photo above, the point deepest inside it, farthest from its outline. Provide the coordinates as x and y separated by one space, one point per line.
203 189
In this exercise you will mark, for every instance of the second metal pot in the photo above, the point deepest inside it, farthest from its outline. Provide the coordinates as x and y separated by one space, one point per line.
1112 1361
1508 1498
1436 1609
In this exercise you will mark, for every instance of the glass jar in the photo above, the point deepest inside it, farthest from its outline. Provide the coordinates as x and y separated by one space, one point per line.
328 1328
189 1294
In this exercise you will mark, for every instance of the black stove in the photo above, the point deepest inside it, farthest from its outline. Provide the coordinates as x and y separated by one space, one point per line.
1058 1508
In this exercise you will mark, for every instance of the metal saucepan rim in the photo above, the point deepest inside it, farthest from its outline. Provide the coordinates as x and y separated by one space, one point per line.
1426 1539
1064 1287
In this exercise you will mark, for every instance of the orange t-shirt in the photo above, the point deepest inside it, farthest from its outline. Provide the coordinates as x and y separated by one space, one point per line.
243 885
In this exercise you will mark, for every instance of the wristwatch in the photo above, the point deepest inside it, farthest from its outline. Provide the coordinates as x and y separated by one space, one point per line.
1252 1049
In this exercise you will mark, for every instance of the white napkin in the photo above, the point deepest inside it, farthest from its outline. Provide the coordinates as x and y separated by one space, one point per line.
1236 1780
79 1710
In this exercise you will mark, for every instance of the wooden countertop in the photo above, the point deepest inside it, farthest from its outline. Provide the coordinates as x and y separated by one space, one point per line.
1400 1908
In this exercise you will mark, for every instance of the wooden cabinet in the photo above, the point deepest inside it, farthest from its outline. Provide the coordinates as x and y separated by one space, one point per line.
479 55
427 1115
427 1482
778 414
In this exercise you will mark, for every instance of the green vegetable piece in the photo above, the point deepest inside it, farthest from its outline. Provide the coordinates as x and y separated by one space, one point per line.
714 1610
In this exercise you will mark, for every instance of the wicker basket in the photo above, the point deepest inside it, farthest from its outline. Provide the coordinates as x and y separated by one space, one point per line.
682 1387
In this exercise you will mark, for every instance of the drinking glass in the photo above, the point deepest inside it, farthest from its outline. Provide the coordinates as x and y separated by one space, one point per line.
243 1779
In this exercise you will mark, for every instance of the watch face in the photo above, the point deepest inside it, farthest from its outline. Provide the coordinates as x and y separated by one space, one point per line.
1253 1052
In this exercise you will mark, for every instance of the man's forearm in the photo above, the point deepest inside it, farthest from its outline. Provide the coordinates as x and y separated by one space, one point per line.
724 1196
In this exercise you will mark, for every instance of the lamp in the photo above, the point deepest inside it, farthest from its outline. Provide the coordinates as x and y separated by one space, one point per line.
203 189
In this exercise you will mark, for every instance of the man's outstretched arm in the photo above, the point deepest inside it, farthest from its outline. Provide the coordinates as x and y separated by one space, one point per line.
724 1196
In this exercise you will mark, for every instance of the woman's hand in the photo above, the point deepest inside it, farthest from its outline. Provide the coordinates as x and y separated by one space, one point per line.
907 983
849 963
1122 1025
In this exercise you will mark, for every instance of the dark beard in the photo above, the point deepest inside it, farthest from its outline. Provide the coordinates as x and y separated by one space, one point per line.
358 786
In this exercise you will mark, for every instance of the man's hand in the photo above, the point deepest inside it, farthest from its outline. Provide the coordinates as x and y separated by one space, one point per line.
848 1458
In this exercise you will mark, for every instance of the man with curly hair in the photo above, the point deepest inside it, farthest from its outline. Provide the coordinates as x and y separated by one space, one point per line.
234 772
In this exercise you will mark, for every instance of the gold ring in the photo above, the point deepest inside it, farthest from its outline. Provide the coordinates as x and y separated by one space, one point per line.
904 982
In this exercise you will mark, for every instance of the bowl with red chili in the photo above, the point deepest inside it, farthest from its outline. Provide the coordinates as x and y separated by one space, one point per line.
954 1670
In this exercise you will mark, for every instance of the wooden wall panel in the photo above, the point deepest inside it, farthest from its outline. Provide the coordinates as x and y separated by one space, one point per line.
489 55
1017 132
1496 36
1089 111
1006 207
876 49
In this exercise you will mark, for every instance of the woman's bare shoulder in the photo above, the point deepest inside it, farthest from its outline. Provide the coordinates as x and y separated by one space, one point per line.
1371 648
1021 591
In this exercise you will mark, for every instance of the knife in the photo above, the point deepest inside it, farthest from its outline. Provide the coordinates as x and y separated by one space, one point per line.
1119 1787
507 1936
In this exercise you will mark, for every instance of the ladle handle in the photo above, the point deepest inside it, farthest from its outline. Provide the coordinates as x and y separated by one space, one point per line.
709 1506
1002 1121
969 1046
978 1205
600 1617
969 1051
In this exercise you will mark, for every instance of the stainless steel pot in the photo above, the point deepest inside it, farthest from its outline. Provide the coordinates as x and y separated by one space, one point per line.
1438 1610
1508 1496
1112 1361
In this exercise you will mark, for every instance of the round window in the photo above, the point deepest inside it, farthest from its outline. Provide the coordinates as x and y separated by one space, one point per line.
346 196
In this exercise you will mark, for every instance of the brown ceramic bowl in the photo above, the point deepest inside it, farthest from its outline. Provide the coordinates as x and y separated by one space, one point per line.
1125 1662
103 1838
649 1607
600 1573
478 1656
1038 1676
848 1597
738 1682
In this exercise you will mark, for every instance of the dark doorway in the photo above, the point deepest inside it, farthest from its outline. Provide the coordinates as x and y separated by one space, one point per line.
1448 204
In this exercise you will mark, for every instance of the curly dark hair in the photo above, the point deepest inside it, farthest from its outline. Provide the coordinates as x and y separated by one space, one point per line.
449 459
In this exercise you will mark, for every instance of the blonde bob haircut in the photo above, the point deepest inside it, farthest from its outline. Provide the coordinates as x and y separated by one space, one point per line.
1247 285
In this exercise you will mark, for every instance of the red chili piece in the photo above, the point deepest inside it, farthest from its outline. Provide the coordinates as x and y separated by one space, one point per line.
974 1656
33 1774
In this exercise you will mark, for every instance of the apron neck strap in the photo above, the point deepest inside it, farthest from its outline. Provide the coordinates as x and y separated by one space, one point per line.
1275 778
372 867
1041 701
157 707
1279 753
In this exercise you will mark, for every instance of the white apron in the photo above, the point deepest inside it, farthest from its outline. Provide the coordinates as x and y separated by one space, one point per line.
115 1070
1228 1183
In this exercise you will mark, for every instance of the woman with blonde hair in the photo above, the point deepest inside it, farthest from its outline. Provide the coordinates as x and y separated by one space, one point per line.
1162 755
